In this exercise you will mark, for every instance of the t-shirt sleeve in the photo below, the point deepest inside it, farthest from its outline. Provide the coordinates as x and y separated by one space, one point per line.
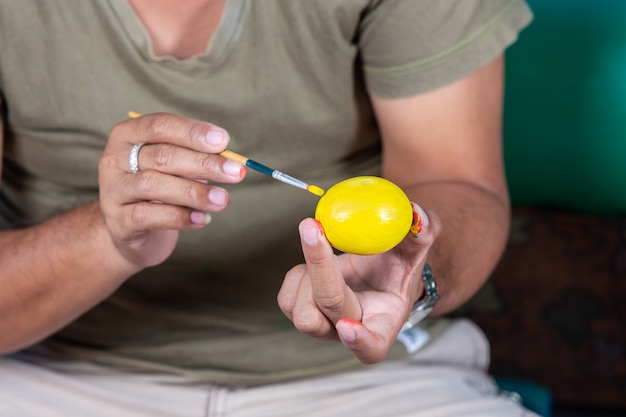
412 46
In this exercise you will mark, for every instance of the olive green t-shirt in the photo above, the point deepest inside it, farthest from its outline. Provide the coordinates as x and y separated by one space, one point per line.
289 80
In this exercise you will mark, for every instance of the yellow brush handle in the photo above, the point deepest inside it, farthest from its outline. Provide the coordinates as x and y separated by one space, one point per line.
234 157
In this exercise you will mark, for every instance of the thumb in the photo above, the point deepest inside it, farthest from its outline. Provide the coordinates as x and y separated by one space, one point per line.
426 226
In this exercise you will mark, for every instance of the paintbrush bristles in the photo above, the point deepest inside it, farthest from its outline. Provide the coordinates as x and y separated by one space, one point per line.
314 189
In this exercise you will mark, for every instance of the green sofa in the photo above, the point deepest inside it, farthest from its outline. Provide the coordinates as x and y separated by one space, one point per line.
555 307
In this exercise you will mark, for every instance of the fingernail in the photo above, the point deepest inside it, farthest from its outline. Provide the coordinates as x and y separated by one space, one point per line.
232 168
310 233
217 196
346 329
215 137
420 220
200 217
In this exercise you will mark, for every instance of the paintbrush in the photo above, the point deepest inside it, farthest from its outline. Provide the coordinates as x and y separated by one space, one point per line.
274 173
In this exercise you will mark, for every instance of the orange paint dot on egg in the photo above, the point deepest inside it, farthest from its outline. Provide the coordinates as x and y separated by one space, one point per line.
365 215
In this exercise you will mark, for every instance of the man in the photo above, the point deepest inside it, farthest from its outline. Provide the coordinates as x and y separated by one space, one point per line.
135 255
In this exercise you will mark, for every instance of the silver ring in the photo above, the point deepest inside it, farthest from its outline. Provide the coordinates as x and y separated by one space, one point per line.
133 158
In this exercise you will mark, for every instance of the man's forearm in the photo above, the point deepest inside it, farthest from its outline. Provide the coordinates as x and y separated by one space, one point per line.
475 227
53 272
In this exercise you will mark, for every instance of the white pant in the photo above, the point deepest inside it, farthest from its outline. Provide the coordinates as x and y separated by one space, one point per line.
446 378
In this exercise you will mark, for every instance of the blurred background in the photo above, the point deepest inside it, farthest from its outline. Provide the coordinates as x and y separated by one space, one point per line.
555 308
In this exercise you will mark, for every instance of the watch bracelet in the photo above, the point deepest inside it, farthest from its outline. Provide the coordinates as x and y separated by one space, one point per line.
424 305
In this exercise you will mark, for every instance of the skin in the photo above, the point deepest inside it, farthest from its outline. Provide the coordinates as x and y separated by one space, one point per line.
449 159
443 148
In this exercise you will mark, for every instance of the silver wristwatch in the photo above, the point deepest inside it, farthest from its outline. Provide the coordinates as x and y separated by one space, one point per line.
424 305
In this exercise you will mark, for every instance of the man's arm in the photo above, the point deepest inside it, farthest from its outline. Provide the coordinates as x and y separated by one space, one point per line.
444 149
54 272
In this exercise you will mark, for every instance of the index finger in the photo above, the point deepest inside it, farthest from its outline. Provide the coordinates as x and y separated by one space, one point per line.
331 294
177 130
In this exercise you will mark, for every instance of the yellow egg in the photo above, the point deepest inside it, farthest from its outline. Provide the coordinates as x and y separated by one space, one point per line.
365 215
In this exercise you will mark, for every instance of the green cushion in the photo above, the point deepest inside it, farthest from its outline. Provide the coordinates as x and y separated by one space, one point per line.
565 107
534 396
